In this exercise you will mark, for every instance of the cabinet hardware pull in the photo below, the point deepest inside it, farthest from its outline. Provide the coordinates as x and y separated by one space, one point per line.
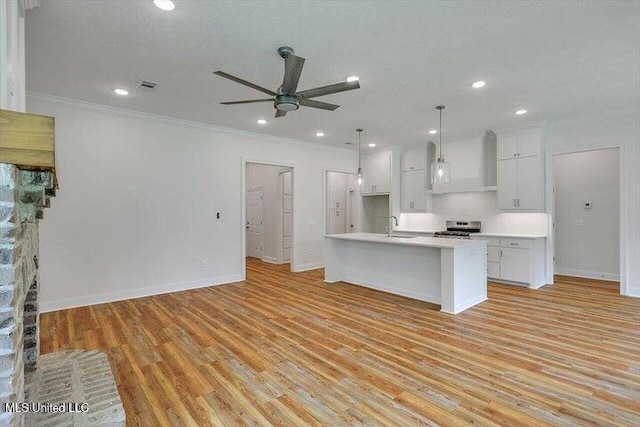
514 202
500 253
514 244
518 202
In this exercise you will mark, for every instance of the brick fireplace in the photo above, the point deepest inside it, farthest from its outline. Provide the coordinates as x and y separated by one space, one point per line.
23 196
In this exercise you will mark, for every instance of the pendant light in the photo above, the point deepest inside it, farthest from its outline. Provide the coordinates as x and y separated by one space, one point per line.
360 175
440 169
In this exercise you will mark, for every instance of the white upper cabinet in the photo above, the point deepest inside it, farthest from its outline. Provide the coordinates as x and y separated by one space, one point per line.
519 145
414 159
520 171
376 168
413 194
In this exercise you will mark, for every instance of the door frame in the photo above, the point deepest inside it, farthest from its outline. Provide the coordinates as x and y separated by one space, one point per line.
280 251
325 207
550 209
243 211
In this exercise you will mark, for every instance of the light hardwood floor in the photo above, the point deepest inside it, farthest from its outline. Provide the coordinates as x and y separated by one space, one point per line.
287 349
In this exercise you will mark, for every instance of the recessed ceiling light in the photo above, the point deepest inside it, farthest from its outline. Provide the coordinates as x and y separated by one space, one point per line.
353 79
121 92
262 121
319 133
521 112
372 145
478 84
164 4
433 131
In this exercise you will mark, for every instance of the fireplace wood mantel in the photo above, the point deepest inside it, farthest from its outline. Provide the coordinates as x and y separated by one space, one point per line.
28 141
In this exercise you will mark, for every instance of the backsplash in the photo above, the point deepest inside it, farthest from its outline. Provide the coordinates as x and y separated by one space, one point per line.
477 206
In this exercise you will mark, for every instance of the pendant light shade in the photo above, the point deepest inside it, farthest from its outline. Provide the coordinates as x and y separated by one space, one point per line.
440 169
360 175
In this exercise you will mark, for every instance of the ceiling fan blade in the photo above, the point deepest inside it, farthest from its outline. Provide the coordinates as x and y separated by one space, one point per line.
318 104
326 90
244 82
292 71
249 101
280 113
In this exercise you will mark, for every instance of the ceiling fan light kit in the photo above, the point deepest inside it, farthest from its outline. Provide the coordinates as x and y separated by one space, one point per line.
286 98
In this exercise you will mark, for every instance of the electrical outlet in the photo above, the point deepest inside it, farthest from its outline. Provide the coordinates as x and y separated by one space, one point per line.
309 251
579 222
203 263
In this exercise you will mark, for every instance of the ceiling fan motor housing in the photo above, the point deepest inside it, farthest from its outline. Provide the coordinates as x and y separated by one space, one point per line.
286 103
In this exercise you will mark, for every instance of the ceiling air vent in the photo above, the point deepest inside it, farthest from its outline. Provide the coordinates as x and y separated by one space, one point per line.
146 85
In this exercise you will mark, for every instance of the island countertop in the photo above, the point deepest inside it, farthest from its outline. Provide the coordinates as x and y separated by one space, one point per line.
428 242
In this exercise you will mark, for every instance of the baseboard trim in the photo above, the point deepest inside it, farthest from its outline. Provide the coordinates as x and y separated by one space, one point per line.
306 267
65 303
433 299
588 274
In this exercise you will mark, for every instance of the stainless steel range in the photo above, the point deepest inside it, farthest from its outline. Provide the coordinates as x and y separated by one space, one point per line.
459 230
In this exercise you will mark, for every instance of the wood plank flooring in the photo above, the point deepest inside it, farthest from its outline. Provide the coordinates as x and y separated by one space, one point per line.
287 349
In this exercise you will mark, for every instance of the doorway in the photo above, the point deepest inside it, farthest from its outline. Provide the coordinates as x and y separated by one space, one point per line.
268 213
586 214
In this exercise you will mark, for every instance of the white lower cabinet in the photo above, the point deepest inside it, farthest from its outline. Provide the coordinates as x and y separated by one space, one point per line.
515 265
516 260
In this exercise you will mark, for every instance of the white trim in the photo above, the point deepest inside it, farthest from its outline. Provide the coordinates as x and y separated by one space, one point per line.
588 274
82 301
273 260
433 299
468 304
182 122
306 267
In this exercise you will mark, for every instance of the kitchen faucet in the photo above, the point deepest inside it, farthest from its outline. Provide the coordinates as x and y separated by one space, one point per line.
392 217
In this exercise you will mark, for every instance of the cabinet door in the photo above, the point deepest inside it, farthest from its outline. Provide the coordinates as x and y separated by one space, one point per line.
493 270
377 171
337 190
413 197
507 184
528 144
337 221
507 147
515 265
414 159
528 182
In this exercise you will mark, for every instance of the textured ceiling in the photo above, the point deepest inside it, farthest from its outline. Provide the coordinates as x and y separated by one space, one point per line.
556 59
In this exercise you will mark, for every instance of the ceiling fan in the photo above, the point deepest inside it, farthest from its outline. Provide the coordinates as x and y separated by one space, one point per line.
286 98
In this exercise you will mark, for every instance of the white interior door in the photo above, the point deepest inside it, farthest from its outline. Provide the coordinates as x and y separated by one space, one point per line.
287 215
254 223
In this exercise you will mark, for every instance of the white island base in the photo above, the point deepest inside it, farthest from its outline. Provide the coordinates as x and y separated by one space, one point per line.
449 272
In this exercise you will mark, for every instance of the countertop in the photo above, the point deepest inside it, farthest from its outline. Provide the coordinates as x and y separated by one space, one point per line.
510 235
503 235
428 242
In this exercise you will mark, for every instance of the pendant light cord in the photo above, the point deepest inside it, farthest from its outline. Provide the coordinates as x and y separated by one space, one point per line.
359 130
440 108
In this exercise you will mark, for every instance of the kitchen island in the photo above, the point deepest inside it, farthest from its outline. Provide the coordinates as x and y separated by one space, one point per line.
449 272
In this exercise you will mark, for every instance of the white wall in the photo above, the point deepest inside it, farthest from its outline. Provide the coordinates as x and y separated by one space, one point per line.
587 239
138 194
266 176
606 130
12 69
